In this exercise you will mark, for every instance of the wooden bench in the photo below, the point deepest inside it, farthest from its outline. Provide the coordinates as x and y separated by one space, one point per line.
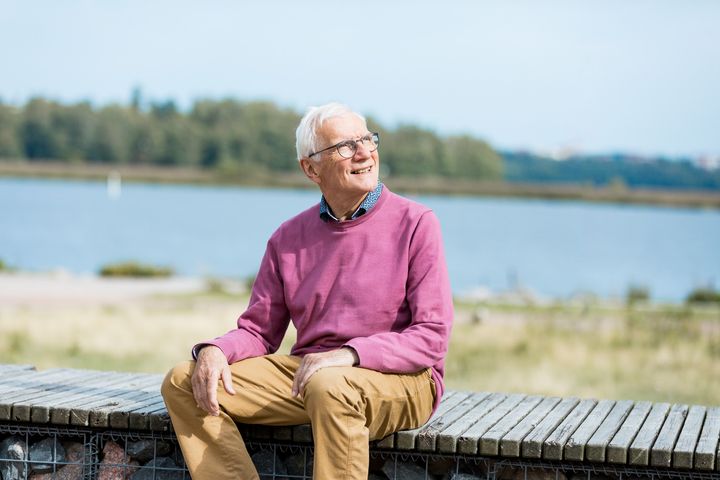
515 430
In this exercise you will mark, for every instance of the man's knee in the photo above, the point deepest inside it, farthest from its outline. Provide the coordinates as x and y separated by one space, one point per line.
178 379
332 385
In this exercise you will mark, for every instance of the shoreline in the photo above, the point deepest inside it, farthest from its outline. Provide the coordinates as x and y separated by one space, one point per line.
421 185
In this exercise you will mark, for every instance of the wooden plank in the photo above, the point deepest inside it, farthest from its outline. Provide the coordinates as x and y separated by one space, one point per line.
617 449
98 411
121 418
448 437
8 374
22 410
444 405
682 456
468 441
575 446
661 451
427 436
6 368
489 443
405 439
19 386
511 443
707 448
33 386
596 446
554 445
639 453
532 444
153 416
61 411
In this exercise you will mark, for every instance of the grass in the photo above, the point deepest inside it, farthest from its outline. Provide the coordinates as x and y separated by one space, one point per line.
666 353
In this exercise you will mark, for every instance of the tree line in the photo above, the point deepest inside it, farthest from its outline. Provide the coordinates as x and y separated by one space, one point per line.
226 134
238 138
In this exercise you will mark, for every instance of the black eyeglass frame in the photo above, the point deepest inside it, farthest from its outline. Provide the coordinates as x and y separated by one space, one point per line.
374 137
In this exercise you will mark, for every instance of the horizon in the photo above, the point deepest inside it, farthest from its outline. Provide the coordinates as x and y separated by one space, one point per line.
598 78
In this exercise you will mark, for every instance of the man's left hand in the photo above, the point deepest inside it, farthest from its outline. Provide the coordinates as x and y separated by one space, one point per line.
312 362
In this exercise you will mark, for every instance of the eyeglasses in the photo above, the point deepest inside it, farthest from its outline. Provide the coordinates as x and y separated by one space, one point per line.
347 148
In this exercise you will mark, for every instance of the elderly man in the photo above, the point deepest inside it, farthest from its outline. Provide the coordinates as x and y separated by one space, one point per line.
362 276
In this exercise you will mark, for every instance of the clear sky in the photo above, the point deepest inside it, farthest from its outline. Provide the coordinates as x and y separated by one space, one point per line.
627 75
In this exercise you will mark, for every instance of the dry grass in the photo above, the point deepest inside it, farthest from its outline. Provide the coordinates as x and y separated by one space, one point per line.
667 354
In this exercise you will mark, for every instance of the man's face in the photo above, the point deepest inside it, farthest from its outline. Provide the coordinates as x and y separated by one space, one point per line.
340 177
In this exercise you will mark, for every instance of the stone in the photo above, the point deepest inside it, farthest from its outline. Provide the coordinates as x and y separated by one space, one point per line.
45 455
377 476
145 450
267 463
160 468
14 453
115 464
299 465
403 471
74 453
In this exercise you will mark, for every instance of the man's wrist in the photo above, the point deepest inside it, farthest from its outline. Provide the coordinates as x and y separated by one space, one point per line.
355 356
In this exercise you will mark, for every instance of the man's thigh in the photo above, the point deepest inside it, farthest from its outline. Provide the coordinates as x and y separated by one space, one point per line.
263 392
390 402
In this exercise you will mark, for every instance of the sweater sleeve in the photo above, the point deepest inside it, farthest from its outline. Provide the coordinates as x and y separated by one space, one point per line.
261 328
424 342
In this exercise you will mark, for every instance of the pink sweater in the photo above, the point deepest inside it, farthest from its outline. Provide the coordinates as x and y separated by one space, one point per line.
378 284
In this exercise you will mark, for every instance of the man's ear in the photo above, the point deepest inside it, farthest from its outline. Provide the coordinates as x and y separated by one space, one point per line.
310 169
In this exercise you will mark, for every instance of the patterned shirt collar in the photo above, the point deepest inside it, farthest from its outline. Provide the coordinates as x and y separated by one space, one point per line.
370 200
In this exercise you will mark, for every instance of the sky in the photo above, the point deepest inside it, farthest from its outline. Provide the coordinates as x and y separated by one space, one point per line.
628 76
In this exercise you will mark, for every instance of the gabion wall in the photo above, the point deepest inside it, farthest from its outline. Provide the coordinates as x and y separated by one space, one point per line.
44 453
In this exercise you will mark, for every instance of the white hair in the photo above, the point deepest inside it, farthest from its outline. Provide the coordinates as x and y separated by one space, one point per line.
306 133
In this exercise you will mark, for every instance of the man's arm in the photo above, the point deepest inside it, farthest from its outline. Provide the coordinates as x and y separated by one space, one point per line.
260 330
425 341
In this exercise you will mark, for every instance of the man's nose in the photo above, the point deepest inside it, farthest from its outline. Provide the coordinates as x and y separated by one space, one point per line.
362 151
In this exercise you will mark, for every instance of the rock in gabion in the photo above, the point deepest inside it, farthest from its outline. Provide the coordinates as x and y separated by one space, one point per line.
160 468
266 463
14 451
403 471
115 465
376 476
74 453
145 450
47 453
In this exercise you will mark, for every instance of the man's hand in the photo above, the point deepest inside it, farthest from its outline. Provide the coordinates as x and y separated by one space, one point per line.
211 366
312 362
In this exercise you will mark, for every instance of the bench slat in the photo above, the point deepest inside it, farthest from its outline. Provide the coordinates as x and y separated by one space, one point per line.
532 444
639 453
33 386
511 442
490 440
469 440
617 449
575 446
448 437
37 409
554 446
688 439
661 451
707 447
427 437
596 446
405 440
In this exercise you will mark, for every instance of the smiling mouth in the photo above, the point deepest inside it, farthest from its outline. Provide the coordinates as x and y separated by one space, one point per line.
362 170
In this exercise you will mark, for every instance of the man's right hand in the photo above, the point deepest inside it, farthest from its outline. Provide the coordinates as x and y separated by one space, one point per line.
211 366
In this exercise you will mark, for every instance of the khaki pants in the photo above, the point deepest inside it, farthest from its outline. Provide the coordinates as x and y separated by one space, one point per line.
347 407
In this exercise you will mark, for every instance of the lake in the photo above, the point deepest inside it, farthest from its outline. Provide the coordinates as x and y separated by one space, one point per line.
554 248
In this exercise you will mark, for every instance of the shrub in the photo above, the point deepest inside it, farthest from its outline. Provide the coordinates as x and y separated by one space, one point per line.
703 295
134 269
636 294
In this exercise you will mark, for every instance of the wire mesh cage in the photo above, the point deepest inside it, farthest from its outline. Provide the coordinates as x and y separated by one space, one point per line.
43 453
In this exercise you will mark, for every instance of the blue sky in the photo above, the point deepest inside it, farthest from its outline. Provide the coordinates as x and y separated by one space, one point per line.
634 76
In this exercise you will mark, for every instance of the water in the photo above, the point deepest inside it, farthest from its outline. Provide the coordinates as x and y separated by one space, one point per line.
556 249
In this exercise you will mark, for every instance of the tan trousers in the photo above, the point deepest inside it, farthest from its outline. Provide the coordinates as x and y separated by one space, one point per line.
346 406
